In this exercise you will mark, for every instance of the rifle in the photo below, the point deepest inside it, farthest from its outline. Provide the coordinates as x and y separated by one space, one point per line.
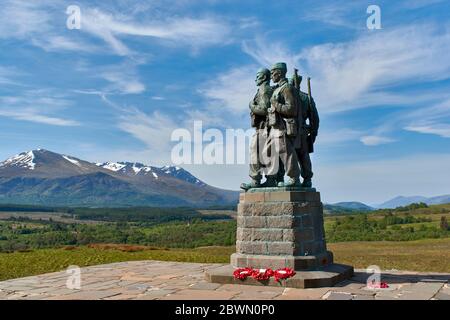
310 138
309 91
297 80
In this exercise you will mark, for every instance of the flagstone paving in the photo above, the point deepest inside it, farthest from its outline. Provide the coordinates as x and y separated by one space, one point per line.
154 280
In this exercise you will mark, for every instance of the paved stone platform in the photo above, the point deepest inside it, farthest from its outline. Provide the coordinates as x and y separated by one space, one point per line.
150 280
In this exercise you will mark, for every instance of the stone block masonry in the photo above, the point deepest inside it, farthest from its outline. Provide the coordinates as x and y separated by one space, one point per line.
280 229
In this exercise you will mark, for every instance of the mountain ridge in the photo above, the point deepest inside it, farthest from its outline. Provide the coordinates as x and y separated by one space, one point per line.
45 177
401 201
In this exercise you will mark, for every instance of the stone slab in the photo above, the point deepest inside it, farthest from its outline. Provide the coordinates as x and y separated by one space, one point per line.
261 195
297 263
323 277
279 189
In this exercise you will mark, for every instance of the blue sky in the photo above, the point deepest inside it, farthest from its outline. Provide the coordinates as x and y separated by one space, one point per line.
137 70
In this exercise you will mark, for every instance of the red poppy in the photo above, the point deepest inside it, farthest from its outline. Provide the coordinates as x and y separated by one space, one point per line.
380 285
242 273
262 274
283 274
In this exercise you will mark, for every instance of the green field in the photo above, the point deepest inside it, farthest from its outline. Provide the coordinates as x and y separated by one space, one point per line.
22 264
416 237
422 255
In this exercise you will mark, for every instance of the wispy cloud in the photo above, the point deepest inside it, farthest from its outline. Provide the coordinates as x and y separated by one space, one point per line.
35 21
266 53
232 90
441 129
20 19
375 140
359 73
123 78
53 43
329 137
35 106
32 115
8 75
433 119
335 14
123 82
186 31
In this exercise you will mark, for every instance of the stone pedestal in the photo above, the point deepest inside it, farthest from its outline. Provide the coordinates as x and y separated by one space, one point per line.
278 228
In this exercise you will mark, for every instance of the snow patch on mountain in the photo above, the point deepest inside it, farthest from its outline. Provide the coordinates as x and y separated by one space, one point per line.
22 160
113 166
75 162
182 174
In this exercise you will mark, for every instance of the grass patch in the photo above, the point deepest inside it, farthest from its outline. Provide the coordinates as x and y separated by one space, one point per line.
22 264
431 255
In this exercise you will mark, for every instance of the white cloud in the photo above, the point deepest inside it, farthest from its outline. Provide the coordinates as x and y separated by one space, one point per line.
21 19
38 23
442 130
60 43
153 130
37 106
433 119
123 82
123 78
232 90
359 73
266 53
32 116
186 31
341 135
8 75
335 14
375 140
346 73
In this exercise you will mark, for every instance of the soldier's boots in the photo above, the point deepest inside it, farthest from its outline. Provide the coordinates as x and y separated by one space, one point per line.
271 182
307 183
253 184
290 183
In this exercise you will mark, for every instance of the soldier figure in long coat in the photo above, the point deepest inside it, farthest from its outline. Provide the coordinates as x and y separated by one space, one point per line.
308 134
283 124
258 145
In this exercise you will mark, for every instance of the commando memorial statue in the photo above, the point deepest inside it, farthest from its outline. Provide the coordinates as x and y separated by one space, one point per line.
280 238
287 123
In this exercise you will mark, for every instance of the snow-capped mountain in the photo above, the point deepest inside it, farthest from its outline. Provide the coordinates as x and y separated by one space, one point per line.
129 168
44 177
180 173
136 168
22 160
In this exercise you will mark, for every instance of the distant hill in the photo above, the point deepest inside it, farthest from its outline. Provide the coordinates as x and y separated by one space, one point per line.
42 177
404 201
353 206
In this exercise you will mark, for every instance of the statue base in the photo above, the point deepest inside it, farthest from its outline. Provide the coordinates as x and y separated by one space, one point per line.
322 277
282 228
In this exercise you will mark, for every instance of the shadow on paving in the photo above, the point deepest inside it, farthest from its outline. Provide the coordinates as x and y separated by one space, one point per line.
362 277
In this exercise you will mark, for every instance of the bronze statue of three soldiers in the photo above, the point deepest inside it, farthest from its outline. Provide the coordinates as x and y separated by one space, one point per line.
286 122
